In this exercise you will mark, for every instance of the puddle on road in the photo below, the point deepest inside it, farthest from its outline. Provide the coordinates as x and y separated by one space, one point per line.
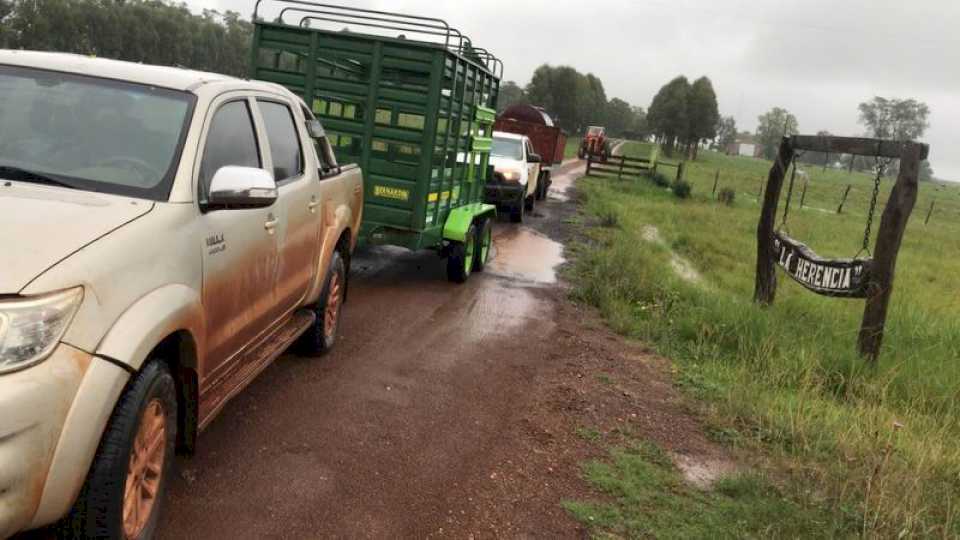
561 183
502 309
527 255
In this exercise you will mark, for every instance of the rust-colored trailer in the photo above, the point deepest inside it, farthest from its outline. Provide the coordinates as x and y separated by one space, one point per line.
548 139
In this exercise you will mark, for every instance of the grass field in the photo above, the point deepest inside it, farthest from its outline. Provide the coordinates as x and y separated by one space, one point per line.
879 446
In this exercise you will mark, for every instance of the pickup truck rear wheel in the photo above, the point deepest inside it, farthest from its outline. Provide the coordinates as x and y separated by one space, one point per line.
517 211
125 486
462 256
321 336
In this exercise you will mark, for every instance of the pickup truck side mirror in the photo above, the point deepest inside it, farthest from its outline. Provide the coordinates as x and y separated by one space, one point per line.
534 158
241 187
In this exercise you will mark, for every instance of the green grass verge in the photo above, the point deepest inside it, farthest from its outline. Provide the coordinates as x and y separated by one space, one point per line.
882 442
650 499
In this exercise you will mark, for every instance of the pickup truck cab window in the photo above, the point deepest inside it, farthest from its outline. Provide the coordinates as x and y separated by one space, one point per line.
231 140
283 139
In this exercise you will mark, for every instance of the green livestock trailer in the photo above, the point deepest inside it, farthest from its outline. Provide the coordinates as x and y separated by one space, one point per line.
411 100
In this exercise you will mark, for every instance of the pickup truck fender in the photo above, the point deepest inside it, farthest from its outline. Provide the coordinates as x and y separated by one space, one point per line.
460 219
154 317
338 220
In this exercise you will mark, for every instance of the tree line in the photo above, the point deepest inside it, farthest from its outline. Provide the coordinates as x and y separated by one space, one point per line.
575 100
883 118
148 31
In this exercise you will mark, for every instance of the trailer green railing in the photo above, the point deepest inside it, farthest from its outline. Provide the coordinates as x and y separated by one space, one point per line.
411 100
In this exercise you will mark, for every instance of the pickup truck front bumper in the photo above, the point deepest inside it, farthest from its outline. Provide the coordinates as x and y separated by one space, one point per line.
504 193
38 413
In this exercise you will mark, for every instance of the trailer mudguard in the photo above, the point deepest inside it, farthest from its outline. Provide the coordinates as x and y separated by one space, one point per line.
460 219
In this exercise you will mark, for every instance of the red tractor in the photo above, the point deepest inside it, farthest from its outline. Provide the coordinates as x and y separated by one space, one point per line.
594 143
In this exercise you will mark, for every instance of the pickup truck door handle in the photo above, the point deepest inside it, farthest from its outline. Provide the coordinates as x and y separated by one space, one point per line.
270 224
314 203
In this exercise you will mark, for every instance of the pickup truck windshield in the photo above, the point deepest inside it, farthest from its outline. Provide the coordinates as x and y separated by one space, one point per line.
89 133
507 148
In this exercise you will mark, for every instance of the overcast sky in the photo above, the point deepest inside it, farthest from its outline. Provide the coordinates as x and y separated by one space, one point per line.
816 58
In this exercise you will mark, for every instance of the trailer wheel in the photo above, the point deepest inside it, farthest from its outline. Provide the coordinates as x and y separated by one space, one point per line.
530 201
484 244
541 186
462 256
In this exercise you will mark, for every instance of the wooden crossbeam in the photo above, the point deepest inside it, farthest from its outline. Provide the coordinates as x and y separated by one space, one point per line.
860 146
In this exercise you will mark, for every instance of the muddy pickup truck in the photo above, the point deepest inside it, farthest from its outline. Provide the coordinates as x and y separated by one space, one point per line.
165 235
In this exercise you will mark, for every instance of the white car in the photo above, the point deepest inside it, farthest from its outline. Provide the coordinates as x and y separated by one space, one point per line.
516 172
165 235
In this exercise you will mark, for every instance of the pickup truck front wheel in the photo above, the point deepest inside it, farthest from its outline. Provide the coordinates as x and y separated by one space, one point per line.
322 334
121 497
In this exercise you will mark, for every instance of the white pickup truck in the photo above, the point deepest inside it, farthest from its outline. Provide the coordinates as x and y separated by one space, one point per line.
164 235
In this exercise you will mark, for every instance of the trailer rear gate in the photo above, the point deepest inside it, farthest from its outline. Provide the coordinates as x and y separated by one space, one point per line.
416 116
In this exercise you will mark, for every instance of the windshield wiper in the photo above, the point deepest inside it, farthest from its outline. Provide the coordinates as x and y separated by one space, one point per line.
10 172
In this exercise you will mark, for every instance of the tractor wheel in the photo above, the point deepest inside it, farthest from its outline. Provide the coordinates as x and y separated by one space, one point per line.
484 244
462 256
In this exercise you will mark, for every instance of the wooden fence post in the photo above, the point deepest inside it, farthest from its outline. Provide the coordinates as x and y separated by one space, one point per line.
889 236
716 180
680 171
760 191
620 172
765 288
929 213
843 201
803 197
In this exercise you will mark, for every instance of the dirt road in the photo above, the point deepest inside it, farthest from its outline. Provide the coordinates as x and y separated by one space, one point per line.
391 434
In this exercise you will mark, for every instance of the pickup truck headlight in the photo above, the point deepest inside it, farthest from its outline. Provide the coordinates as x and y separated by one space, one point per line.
30 327
511 176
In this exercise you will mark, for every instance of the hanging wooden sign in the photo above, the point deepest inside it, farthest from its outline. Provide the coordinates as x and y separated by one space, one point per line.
842 278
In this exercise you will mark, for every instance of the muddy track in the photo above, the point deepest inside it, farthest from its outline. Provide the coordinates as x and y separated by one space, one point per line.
445 411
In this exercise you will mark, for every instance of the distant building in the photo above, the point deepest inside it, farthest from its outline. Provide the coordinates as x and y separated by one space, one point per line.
746 146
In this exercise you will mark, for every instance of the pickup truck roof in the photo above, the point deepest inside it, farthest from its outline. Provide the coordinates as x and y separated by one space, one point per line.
173 78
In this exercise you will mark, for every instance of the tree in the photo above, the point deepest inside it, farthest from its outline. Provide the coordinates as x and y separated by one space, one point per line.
562 91
619 117
510 94
146 31
573 99
703 115
668 115
638 127
726 132
896 119
772 127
